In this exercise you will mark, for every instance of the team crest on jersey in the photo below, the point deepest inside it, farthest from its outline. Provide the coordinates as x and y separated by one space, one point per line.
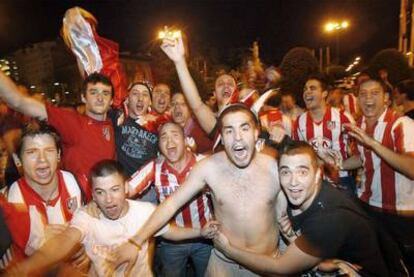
72 204
320 143
106 133
331 125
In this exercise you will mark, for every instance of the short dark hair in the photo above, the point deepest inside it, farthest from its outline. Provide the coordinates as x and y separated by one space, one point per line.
105 168
238 107
294 147
162 126
375 80
97 78
145 84
322 79
406 87
35 129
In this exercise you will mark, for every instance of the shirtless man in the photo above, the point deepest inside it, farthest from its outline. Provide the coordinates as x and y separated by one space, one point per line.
244 186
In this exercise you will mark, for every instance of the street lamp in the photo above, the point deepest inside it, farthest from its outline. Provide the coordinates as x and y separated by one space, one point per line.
169 33
336 27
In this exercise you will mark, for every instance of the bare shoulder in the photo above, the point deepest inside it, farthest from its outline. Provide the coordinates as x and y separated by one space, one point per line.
266 161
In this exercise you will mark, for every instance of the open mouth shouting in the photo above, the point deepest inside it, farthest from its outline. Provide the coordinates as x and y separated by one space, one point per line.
309 99
43 172
294 193
240 151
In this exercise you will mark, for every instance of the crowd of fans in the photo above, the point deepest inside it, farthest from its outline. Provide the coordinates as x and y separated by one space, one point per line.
173 185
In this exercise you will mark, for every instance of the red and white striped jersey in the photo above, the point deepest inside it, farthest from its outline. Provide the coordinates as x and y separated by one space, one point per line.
275 116
32 214
381 185
326 134
167 180
350 103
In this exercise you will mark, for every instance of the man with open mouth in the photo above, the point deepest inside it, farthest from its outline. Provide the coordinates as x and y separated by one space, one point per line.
45 197
118 220
322 127
243 184
386 152
168 173
325 224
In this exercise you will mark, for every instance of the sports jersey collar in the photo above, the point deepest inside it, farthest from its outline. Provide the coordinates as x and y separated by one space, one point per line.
166 168
326 116
94 121
386 116
24 186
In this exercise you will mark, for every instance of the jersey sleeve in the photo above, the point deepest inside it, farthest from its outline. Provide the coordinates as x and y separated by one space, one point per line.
141 179
65 121
402 133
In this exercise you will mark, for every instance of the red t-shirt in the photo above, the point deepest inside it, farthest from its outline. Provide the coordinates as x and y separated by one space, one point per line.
85 141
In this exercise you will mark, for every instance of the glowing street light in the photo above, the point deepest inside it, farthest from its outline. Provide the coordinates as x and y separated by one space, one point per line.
336 27
169 33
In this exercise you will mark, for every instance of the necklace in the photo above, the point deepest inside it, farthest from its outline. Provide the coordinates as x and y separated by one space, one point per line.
48 200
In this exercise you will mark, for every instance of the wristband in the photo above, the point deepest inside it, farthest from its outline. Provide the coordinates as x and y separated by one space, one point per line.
133 242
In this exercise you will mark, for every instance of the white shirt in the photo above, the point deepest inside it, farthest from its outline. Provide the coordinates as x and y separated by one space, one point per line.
101 236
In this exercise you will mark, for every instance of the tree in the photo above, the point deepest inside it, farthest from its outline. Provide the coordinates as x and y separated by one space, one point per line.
296 66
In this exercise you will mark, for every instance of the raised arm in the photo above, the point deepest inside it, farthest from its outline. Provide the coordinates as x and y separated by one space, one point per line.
176 52
127 252
19 102
56 249
166 210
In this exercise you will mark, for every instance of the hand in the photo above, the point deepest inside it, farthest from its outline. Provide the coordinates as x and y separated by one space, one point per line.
52 230
221 242
331 157
277 132
80 260
343 267
125 253
17 270
286 228
92 209
174 49
359 134
210 230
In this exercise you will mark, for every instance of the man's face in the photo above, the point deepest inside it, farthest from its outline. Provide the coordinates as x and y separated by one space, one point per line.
97 98
172 143
239 135
313 95
299 179
161 97
180 111
287 102
139 100
224 87
372 99
109 193
39 157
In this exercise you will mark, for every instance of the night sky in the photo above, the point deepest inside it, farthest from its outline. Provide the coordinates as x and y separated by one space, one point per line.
220 26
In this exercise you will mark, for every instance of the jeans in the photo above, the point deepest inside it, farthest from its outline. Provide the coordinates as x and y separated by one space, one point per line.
174 257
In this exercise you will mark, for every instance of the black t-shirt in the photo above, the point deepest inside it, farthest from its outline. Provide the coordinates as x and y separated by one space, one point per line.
335 227
5 238
410 114
135 146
